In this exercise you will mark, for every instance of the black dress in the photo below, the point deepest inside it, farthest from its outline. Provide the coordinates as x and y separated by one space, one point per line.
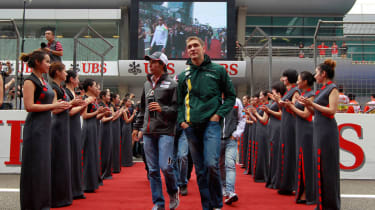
106 147
261 151
91 176
35 182
116 149
305 151
326 136
126 144
274 147
61 162
75 151
288 146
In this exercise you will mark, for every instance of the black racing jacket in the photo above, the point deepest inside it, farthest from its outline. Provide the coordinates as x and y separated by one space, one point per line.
165 93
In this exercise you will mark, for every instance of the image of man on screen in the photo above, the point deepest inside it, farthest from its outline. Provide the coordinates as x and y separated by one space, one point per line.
159 40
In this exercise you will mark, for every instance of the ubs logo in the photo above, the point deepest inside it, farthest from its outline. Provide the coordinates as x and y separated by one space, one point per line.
134 68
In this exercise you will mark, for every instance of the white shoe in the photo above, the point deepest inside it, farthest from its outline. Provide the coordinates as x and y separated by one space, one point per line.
232 198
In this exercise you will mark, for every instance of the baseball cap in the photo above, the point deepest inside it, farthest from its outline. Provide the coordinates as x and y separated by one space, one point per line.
159 56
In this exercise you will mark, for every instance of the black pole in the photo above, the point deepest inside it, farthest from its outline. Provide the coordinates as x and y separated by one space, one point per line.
22 50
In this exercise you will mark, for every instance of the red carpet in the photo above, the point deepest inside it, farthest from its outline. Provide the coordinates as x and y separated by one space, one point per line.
130 190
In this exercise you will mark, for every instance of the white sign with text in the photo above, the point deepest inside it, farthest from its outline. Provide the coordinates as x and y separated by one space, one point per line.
357 157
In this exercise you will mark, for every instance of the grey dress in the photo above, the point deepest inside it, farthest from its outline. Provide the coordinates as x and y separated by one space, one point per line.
326 136
106 147
274 147
305 151
261 151
248 152
252 145
91 173
288 160
116 149
61 163
126 144
243 145
35 181
75 151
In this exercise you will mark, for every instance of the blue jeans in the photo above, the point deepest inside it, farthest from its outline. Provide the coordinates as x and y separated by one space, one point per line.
228 156
182 160
204 144
159 155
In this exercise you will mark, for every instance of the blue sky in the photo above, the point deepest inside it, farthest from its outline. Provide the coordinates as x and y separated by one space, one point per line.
213 13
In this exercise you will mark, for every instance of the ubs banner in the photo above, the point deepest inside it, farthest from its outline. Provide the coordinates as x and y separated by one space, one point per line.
357 134
175 67
86 68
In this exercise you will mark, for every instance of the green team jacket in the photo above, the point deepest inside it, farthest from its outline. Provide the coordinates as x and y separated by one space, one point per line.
199 92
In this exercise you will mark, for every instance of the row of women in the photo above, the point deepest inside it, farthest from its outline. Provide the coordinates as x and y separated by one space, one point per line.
292 144
62 159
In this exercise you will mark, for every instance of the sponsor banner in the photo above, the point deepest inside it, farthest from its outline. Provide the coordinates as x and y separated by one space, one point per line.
175 67
86 68
357 157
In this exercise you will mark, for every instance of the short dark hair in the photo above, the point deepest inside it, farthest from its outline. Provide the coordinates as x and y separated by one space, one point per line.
291 74
279 87
86 83
351 96
113 96
102 93
52 31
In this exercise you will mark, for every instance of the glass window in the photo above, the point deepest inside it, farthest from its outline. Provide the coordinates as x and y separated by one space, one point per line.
65 30
255 20
287 21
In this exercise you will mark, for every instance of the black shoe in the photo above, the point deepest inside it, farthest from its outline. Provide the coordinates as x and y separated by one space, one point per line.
107 177
89 191
79 197
232 198
285 192
183 190
300 201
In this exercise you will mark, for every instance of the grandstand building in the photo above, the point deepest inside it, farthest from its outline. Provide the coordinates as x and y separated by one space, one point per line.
288 24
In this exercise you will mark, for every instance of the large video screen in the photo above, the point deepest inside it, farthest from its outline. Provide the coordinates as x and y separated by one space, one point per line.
165 25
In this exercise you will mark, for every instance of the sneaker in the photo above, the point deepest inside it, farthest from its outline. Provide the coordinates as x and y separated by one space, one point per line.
183 190
174 200
232 198
157 207
225 194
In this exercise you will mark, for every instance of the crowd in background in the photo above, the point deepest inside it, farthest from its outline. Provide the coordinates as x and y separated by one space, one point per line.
170 37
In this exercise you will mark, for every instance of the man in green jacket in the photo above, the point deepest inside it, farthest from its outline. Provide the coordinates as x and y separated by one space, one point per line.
200 108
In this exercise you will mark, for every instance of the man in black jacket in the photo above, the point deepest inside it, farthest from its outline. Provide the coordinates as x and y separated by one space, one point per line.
157 121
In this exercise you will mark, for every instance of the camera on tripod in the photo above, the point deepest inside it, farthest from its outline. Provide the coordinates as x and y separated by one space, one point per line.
5 67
